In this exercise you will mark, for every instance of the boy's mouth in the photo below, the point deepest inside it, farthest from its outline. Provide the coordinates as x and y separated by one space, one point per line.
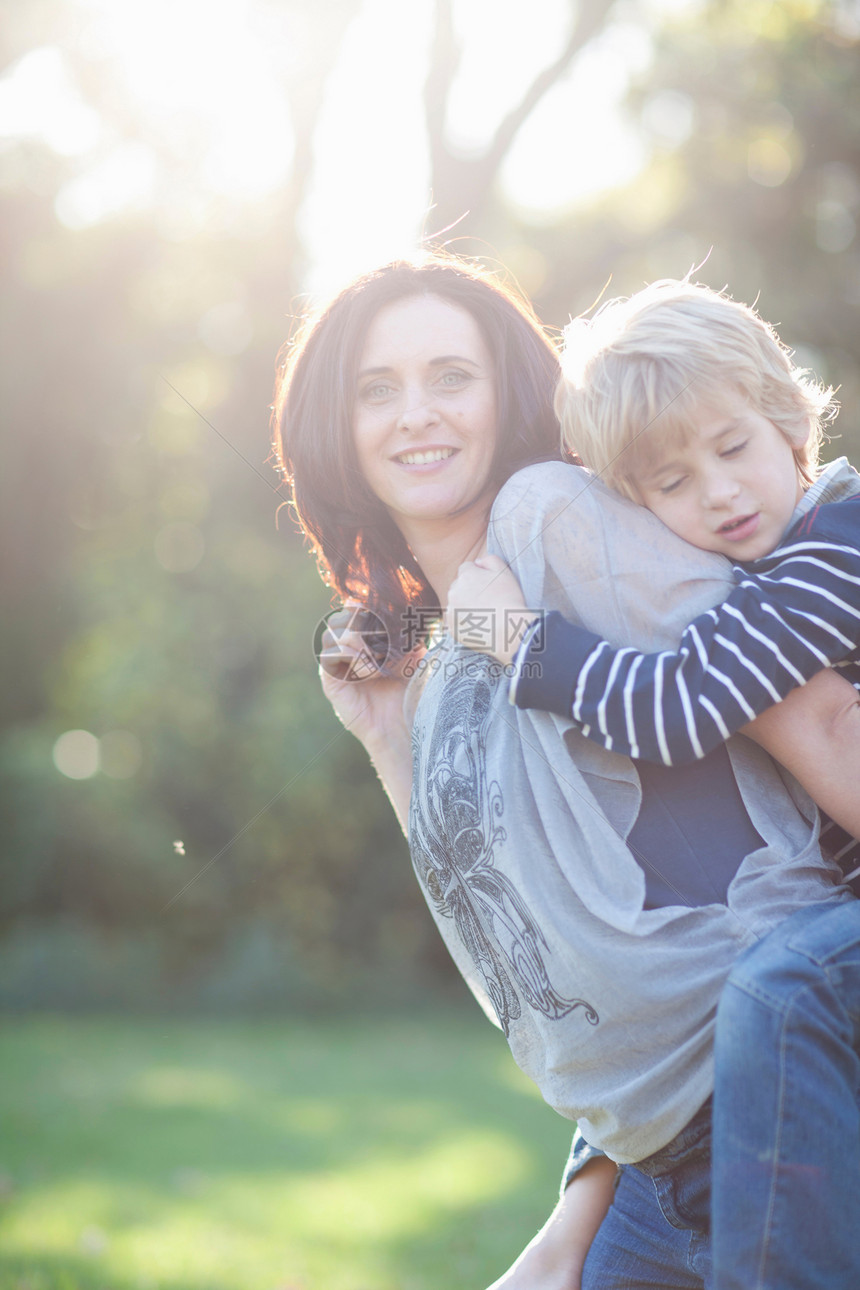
742 527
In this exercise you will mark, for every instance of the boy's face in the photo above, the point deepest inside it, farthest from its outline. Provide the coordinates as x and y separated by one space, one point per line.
731 487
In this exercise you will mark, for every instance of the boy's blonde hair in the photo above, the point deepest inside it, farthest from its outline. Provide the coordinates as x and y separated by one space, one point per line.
633 374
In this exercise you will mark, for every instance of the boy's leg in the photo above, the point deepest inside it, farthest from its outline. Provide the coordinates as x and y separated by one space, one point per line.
786 1141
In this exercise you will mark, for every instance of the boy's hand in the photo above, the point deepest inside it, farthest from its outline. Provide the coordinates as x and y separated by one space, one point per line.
486 610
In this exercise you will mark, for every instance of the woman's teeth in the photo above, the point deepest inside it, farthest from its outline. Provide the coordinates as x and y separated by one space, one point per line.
424 458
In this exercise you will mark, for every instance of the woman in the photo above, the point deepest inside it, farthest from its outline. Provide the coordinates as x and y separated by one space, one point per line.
407 411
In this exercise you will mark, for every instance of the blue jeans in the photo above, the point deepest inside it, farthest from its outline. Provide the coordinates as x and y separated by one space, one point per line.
786 1144
656 1234
784 1183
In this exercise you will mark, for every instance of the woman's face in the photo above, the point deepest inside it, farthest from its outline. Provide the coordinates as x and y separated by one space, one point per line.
425 418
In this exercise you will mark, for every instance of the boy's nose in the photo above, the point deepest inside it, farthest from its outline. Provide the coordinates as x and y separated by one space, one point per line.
719 490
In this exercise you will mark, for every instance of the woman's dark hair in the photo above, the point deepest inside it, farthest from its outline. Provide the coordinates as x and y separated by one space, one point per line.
361 552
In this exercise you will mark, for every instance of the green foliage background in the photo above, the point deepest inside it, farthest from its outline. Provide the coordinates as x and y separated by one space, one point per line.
294 889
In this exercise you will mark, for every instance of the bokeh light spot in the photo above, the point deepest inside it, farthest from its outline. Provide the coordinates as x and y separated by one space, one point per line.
39 99
668 116
124 180
76 754
768 163
177 432
835 227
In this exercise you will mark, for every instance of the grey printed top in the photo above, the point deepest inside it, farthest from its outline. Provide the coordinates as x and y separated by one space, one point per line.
518 823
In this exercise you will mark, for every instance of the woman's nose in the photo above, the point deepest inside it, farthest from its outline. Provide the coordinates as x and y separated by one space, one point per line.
417 411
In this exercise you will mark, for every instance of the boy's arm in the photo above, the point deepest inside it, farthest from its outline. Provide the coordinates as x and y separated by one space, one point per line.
815 733
776 630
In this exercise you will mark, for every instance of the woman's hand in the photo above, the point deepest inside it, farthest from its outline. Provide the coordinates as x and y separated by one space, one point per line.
486 610
365 692
370 708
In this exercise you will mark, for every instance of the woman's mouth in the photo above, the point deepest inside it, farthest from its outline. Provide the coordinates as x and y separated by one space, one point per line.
739 529
424 457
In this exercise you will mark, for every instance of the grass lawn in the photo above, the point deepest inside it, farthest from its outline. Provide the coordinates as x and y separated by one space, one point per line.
144 1154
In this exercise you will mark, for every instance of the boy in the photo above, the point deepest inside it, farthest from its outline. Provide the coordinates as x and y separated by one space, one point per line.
688 403
666 398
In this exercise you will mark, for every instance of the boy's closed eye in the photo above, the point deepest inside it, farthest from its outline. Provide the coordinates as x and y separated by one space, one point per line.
734 449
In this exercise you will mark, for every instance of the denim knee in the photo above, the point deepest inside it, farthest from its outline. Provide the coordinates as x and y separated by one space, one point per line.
817 946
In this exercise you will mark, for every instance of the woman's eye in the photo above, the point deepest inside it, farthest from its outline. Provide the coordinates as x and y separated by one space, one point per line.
454 379
376 393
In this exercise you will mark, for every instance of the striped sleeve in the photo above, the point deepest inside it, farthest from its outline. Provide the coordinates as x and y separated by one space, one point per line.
790 615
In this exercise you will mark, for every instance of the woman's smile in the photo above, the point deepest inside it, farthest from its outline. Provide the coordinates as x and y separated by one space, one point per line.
425 420
425 456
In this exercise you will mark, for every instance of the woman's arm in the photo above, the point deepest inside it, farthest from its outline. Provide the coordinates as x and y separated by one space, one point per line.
375 717
554 1259
372 710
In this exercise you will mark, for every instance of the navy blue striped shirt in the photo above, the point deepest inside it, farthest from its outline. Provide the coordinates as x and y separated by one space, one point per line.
791 614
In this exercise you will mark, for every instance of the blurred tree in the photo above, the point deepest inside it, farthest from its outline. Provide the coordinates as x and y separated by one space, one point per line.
752 114
463 185
151 602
